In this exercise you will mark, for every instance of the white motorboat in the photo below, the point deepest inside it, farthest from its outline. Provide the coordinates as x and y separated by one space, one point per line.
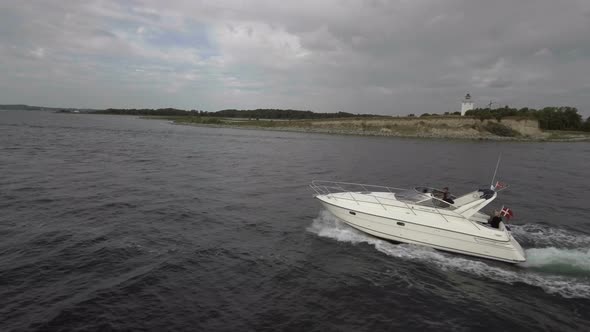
421 216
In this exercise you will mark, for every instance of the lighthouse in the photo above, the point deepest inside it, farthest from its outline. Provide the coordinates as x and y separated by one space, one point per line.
466 105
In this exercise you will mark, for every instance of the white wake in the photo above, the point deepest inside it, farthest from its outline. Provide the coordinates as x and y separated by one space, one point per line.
538 235
326 225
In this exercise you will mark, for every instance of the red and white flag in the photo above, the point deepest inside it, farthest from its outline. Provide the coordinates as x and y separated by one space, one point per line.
506 212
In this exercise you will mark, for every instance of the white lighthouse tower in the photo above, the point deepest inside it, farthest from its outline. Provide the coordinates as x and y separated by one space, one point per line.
466 105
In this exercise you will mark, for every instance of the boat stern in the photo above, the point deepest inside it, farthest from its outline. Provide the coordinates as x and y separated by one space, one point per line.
519 255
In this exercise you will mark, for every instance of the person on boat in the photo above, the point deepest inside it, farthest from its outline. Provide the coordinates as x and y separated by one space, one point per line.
447 196
495 220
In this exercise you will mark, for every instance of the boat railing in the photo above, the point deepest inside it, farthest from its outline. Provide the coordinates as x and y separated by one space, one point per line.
322 187
332 187
351 185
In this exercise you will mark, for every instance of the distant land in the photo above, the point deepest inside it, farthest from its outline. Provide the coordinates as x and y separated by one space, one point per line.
23 107
20 107
255 114
548 123
266 113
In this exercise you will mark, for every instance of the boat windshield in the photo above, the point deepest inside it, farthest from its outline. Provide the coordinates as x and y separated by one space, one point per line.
411 196
425 196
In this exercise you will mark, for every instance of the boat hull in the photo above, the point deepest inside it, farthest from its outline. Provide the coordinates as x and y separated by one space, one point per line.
412 232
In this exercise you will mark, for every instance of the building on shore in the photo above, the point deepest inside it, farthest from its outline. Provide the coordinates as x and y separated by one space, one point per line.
466 105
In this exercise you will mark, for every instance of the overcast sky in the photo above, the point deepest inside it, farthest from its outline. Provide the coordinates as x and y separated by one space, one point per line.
374 56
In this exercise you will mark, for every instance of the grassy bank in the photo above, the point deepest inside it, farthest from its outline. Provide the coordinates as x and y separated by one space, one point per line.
440 127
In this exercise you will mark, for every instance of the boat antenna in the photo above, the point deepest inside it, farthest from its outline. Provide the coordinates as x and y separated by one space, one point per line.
496 171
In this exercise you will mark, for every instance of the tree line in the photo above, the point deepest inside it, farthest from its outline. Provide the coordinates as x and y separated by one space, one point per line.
268 113
272 113
145 111
550 118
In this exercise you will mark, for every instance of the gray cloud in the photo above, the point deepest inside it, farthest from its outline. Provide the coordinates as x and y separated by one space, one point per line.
388 57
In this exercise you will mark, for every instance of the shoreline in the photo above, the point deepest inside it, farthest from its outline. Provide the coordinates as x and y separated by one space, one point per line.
461 134
351 132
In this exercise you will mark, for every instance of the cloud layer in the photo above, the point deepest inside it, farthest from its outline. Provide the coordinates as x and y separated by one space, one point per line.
373 56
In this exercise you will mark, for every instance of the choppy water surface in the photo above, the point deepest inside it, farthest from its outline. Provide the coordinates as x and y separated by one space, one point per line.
120 223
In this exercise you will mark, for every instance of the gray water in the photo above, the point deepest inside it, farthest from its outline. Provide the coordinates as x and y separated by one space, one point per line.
120 223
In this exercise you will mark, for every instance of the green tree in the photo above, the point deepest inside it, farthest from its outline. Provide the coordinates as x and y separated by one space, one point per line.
550 118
